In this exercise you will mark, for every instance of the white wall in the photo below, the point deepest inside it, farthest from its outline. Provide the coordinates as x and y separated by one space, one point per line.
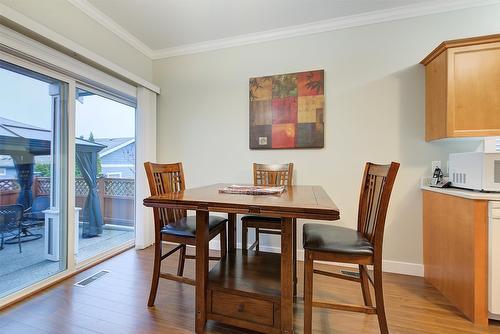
70 22
374 91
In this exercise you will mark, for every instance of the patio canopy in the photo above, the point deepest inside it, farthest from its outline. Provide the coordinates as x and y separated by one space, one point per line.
23 142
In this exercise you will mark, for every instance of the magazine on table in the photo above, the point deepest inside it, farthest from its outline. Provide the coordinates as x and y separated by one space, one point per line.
252 190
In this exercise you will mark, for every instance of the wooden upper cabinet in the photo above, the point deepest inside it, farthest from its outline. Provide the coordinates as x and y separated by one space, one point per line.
462 88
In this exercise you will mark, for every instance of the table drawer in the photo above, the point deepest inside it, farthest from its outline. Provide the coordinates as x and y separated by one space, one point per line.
255 310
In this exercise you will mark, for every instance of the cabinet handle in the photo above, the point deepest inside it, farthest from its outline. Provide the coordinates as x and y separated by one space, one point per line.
241 307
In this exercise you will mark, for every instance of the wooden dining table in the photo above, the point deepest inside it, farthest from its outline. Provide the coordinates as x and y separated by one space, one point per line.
252 290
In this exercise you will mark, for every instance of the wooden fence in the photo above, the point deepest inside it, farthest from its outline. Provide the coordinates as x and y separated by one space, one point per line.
116 196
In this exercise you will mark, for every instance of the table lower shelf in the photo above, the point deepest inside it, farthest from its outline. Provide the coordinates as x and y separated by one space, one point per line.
244 290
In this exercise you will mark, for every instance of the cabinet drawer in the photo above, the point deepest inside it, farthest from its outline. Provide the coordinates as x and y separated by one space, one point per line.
243 308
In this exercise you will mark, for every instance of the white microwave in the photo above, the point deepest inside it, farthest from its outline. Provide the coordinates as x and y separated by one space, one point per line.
475 170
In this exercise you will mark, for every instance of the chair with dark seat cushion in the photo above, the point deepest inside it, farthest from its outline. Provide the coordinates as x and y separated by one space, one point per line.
269 175
362 246
186 226
266 175
336 239
173 225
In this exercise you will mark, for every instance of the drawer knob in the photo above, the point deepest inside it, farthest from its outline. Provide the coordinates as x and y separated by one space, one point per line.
241 307
254 209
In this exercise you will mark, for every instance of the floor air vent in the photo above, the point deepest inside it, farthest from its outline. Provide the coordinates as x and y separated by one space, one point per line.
88 280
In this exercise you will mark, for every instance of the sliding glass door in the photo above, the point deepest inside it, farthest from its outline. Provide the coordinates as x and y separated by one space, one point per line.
33 177
67 174
104 173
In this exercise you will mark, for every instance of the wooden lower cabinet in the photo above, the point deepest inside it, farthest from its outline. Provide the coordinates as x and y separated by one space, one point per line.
455 233
244 291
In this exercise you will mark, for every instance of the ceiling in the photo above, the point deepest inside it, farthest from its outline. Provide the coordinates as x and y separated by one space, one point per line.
162 28
170 23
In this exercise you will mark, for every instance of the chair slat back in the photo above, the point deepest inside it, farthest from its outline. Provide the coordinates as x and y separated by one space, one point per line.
273 174
162 179
376 189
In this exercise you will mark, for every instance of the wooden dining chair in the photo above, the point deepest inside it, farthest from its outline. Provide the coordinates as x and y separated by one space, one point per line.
269 175
173 225
362 246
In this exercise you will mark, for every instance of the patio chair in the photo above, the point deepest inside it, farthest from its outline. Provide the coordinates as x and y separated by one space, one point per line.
33 217
10 223
35 212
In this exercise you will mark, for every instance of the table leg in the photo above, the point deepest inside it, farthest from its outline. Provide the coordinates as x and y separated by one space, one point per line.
231 232
294 261
286 276
201 270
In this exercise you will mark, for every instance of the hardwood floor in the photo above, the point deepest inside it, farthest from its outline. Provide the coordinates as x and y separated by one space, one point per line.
116 303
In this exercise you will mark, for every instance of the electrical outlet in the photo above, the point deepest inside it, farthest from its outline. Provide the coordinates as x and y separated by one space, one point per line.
435 164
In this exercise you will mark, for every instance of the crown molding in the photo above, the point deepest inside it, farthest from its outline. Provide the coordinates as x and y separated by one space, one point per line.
459 43
41 30
373 17
112 26
379 16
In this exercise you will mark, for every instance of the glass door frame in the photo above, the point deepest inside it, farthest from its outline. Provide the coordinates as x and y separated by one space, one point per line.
64 137
131 243
71 267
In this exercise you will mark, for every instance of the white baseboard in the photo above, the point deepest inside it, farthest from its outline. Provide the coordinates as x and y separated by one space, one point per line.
388 266
404 268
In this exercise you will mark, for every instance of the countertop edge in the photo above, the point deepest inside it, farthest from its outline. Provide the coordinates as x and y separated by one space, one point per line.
469 194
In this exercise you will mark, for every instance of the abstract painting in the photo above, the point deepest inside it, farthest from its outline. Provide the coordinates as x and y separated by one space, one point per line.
286 111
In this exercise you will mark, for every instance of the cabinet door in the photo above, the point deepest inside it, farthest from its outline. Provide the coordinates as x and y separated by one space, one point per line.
474 89
436 103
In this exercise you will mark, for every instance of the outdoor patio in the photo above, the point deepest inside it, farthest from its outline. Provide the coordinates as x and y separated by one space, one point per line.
104 206
22 269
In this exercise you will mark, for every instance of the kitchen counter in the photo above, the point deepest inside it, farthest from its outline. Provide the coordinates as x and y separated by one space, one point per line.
455 240
464 193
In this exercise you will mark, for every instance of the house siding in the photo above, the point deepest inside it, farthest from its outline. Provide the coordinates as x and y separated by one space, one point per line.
123 156
10 173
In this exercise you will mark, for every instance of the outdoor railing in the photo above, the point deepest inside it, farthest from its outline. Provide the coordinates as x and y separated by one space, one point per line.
116 196
9 190
81 187
8 185
115 187
41 186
